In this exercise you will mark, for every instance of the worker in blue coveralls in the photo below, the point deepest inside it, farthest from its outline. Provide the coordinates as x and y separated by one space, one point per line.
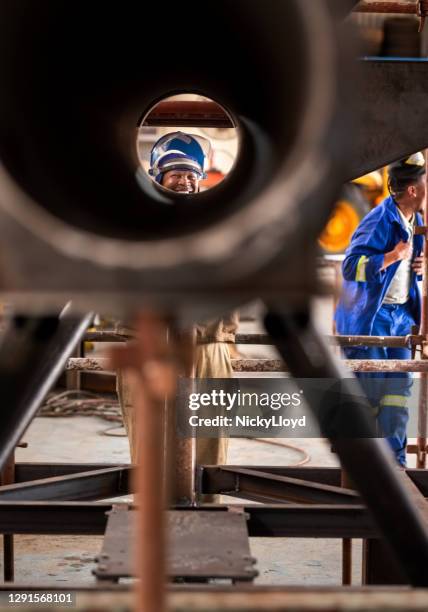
381 294
177 162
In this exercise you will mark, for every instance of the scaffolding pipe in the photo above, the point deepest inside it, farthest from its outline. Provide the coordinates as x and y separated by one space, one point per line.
423 393
373 6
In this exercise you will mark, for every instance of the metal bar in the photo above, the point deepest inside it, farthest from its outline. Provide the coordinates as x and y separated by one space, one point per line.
309 521
33 353
277 365
185 113
346 543
385 365
99 484
243 598
374 6
254 485
384 341
97 364
275 520
53 518
7 476
73 377
367 459
423 389
213 478
379 566
25 472
265 340
216 478
105 336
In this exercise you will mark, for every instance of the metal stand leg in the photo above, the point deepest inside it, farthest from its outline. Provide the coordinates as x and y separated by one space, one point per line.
7 476
346 544
153 363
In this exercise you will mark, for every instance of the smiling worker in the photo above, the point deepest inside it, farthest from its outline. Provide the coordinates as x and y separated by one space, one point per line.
177 162
381 295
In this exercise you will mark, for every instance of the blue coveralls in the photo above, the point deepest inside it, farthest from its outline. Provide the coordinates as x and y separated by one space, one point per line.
361 312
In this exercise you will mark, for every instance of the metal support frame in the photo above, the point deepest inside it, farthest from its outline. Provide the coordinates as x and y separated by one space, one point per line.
93 485
33 353
265 520
366 459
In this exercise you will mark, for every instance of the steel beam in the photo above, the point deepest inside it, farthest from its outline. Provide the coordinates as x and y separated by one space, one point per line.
249 483
53 518
266 340
33 353
25 472
217 478
276 520
84 486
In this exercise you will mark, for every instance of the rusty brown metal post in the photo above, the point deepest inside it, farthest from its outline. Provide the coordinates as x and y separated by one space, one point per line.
152 371
149 481
7 476
346 543
423 393
185 448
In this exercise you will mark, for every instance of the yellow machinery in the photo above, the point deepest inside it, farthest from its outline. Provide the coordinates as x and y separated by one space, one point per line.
358 198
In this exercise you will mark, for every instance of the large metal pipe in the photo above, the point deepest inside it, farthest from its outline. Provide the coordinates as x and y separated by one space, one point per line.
76 80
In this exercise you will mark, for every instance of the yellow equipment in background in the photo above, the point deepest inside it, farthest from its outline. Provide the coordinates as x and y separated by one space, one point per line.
358 198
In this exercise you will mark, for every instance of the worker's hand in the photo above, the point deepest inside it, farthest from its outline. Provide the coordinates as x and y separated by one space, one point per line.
403 250
417 265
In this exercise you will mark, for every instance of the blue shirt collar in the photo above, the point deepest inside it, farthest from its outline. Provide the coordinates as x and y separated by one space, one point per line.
391 208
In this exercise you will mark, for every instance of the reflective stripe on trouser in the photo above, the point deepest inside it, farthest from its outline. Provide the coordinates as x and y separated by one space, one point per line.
392 422
387 392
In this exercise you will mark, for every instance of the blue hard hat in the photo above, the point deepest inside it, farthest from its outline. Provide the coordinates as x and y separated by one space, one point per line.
179 151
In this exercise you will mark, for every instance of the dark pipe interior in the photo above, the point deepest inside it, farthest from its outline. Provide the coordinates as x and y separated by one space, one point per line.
76 78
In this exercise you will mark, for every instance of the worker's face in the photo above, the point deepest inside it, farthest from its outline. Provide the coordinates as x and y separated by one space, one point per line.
181 181
418 193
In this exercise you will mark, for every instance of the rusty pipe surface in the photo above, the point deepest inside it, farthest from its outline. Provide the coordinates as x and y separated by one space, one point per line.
419 8
100 364
377 6
390 341
150 367
386 365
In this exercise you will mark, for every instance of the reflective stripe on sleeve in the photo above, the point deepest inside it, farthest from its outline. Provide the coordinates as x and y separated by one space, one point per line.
397 401
360 276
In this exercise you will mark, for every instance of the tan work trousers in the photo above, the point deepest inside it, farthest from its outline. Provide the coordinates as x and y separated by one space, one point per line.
211 361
